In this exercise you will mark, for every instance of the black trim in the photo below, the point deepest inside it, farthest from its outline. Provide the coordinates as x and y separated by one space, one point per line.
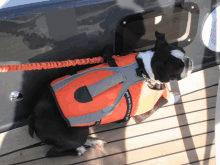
108 52
141 68
58 106
111 62
82 95
108 57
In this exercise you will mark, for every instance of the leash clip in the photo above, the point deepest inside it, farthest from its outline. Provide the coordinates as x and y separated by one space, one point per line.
149 82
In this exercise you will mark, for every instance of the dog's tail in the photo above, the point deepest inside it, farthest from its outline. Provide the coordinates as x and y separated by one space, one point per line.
31 124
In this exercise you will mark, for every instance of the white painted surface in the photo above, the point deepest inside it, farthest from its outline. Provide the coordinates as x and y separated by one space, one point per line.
211 31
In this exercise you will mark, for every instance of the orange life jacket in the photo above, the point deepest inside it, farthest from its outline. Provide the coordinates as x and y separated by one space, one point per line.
140 98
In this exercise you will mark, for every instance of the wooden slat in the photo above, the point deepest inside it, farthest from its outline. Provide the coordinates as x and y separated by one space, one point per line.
16 139
205 162
157 152
181 158
155 126
137 149
151 133
198 80
164 112
203 93
217 126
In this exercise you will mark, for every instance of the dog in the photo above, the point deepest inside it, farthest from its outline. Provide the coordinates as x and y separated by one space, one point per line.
167 63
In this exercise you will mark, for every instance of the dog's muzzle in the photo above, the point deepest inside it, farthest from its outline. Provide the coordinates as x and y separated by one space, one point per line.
188 67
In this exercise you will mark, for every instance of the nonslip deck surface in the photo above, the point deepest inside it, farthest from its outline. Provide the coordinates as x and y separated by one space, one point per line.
175 134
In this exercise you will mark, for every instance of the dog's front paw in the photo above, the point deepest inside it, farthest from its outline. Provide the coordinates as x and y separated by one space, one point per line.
174 97
97 144
81 150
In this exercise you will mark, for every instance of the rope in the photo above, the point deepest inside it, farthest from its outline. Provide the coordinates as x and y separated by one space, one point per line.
51 65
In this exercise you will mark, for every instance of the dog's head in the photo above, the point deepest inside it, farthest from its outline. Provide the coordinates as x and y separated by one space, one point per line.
169 62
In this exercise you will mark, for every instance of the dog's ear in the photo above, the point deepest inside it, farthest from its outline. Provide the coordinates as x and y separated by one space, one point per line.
159 35
160 40
160 73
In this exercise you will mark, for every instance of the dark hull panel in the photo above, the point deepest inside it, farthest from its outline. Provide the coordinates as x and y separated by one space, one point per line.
61 30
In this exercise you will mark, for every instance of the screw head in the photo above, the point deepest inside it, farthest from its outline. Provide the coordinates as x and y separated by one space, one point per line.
15 96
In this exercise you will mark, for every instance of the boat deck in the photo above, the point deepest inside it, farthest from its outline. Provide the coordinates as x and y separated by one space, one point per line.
175 134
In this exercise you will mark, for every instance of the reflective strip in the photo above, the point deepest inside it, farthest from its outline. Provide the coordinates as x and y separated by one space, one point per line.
105 84
59 85
90 118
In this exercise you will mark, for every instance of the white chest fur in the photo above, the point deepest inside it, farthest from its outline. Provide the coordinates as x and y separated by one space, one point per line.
146 58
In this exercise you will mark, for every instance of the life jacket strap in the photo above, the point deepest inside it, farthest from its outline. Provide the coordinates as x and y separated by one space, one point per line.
112 63
108 56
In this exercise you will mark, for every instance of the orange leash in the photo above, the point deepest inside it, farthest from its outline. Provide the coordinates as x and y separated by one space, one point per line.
51 65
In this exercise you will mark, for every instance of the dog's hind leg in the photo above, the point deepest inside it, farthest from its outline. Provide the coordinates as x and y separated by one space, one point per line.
31 125
95 143
57 151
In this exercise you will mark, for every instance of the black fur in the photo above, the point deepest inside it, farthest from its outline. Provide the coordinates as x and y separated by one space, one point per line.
50 127
165 66
48 124
30 122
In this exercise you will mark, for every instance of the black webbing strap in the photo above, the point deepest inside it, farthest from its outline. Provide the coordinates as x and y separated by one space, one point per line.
97 122
108 56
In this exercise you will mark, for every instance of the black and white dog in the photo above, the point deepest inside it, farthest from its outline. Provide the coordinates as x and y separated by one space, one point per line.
167 63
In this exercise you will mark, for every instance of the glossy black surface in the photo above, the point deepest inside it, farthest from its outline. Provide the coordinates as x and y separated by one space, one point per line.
177 22
73 29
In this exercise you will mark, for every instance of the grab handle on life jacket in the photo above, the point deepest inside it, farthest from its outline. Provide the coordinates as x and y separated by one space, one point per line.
106 83
85 94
